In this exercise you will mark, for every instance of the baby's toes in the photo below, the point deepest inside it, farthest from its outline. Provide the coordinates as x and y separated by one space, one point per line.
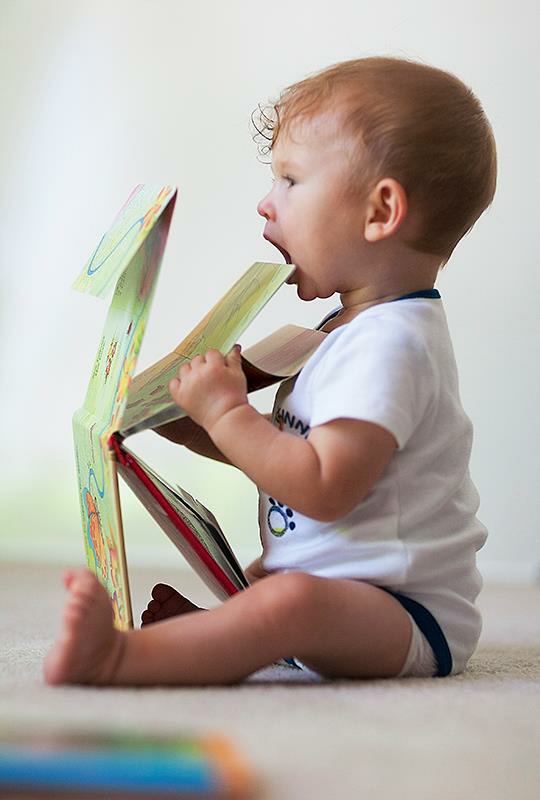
166 602
147 618
162 592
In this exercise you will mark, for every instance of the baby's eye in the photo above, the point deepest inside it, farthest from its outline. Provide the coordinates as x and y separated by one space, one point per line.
289 180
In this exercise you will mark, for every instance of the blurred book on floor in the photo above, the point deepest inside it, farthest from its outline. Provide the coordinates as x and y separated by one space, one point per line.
121 764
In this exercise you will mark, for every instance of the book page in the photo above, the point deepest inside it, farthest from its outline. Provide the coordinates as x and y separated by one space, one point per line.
149 402
148 213
127 234
204 545
100 514
205 525
280 355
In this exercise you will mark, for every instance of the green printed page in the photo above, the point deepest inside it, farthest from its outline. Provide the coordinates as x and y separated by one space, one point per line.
133 223
149 402
130 254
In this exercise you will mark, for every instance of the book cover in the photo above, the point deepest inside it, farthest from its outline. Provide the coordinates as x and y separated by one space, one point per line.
121 764
118 403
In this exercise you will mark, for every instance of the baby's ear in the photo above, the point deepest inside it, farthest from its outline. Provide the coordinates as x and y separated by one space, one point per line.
386 210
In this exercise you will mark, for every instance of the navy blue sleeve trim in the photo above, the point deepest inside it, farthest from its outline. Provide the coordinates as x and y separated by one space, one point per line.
431 630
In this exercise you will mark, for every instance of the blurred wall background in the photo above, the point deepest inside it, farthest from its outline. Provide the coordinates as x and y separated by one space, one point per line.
98 96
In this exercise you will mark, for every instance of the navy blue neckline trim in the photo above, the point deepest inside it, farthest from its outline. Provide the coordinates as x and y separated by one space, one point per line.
431 294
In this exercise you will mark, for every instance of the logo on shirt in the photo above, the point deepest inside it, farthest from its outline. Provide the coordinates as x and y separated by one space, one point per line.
280 518
284 419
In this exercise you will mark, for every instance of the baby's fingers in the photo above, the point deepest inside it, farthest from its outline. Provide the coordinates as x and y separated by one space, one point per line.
233 357
196 362
214 357
174 386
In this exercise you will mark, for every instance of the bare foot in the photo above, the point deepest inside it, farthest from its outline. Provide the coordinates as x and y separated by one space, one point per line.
88 648
167 603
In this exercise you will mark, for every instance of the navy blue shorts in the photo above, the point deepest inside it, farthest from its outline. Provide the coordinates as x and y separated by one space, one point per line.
431 630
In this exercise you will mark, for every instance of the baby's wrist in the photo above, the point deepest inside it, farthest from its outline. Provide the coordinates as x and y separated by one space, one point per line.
237 415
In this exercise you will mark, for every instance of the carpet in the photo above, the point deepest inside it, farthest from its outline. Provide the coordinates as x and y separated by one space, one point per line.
476 735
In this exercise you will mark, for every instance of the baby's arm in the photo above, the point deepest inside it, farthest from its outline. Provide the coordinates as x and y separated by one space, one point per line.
185 431
323 476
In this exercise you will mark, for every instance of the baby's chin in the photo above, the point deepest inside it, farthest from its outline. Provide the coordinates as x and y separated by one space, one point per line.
293 280
307 291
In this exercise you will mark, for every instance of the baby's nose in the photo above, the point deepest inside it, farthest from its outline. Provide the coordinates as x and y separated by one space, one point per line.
264 207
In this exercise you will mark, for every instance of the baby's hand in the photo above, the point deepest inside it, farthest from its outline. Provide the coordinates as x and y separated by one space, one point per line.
209 386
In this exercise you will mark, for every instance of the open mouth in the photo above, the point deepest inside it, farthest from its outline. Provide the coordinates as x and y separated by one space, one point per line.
284 253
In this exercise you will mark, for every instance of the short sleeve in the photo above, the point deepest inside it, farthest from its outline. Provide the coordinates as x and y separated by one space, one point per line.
378 371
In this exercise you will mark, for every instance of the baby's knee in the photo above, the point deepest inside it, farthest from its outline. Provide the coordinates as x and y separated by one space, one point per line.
286 599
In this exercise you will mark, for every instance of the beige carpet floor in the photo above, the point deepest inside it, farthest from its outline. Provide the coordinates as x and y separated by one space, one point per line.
474 736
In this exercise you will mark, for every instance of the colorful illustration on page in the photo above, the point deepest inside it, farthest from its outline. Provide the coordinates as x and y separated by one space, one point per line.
129 254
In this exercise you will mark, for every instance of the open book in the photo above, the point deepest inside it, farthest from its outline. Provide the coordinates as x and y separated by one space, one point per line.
118 404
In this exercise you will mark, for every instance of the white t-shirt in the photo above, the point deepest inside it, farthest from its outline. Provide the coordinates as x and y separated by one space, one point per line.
416 532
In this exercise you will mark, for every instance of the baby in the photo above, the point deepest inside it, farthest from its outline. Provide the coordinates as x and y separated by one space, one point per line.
367 510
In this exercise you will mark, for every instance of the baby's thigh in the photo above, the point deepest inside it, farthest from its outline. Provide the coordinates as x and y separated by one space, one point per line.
338 627
255 572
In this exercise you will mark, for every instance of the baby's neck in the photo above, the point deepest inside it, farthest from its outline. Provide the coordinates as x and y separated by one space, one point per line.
351 309
384 282
381 282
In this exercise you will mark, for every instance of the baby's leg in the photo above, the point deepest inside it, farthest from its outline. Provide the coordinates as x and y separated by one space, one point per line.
341 628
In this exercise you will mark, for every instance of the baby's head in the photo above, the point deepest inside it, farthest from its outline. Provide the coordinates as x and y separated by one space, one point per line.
407 121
